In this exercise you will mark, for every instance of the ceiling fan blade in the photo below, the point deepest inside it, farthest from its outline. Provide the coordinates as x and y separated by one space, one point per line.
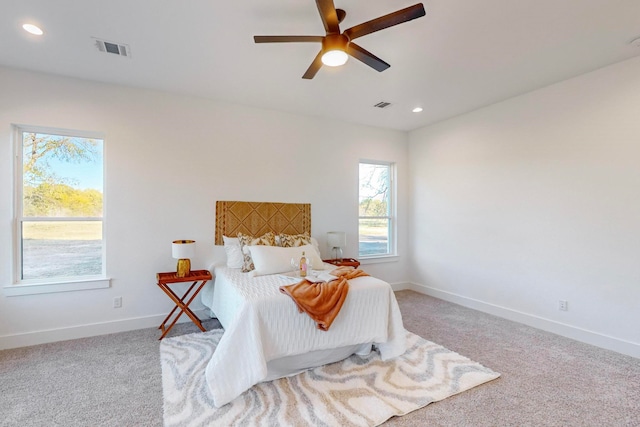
329 16
367 57
314 67
287 39
386 21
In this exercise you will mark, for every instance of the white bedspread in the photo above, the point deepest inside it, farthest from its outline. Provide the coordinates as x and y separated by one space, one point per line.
262 324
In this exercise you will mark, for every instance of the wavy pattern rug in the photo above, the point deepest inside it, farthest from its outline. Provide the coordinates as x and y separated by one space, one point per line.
358 391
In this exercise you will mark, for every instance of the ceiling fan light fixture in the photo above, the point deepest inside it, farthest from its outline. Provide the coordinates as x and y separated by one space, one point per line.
335 58
334 50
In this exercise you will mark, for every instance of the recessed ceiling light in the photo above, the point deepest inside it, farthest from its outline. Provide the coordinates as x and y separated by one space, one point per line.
417 109
33 29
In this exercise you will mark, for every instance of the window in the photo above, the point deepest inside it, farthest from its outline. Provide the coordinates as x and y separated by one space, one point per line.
59 236
376 205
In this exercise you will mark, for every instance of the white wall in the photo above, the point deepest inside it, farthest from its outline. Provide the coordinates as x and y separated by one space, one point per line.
534 200
168 159
510 208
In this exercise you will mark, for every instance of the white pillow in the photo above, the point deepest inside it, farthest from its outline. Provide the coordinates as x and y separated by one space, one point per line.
316 245
276 259
233 251
312 253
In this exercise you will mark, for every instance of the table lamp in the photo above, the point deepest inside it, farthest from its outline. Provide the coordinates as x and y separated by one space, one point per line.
337 240
183 251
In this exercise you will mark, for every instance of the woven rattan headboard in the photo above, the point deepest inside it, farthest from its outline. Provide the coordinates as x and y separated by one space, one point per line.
257 218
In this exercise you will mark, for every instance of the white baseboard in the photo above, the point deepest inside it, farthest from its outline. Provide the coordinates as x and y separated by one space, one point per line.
83 331
569 331
563 329
402 286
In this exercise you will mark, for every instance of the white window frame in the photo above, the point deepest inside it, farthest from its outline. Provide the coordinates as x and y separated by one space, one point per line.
392 254
39 286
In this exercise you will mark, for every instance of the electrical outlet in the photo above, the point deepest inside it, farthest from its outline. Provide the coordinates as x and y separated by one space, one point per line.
563 305
117 302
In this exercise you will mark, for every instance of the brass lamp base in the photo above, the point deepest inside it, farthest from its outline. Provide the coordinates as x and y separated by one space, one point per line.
184 267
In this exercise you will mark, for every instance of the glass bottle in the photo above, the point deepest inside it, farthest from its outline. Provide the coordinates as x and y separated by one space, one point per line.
303 266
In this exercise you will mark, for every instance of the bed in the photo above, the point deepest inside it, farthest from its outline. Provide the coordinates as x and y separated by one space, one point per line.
266 337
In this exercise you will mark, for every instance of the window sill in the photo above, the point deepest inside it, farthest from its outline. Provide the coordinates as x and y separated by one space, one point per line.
53 287
379 259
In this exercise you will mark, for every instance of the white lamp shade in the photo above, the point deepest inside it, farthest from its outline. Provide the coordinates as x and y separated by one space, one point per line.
337 239
183 249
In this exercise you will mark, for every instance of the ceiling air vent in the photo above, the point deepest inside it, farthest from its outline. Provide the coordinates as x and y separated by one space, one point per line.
119 49
383 104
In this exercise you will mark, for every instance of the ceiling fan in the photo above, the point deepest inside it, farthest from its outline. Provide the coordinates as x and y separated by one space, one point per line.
336 45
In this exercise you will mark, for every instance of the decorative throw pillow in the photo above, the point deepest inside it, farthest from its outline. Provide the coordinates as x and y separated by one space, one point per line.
275 259
267 239
234 252
293 240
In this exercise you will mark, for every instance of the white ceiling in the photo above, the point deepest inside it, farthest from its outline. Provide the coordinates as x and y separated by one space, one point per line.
462 55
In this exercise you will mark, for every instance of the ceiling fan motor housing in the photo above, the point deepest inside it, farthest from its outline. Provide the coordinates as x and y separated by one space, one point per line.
335 42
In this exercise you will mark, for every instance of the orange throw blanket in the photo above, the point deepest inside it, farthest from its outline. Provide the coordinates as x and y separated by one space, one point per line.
322 301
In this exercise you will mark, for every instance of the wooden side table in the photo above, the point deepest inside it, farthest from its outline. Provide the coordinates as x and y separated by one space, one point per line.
164 279
341 262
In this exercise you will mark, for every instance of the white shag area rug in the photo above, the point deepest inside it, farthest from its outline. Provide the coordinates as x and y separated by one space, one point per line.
358 391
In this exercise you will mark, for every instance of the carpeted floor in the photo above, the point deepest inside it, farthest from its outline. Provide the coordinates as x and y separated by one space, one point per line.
546 380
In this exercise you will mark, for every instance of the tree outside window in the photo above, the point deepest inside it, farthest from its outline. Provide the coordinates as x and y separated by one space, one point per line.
60 209
375 209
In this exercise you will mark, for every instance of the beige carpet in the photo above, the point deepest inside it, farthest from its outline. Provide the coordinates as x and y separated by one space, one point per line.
354 392
546 380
